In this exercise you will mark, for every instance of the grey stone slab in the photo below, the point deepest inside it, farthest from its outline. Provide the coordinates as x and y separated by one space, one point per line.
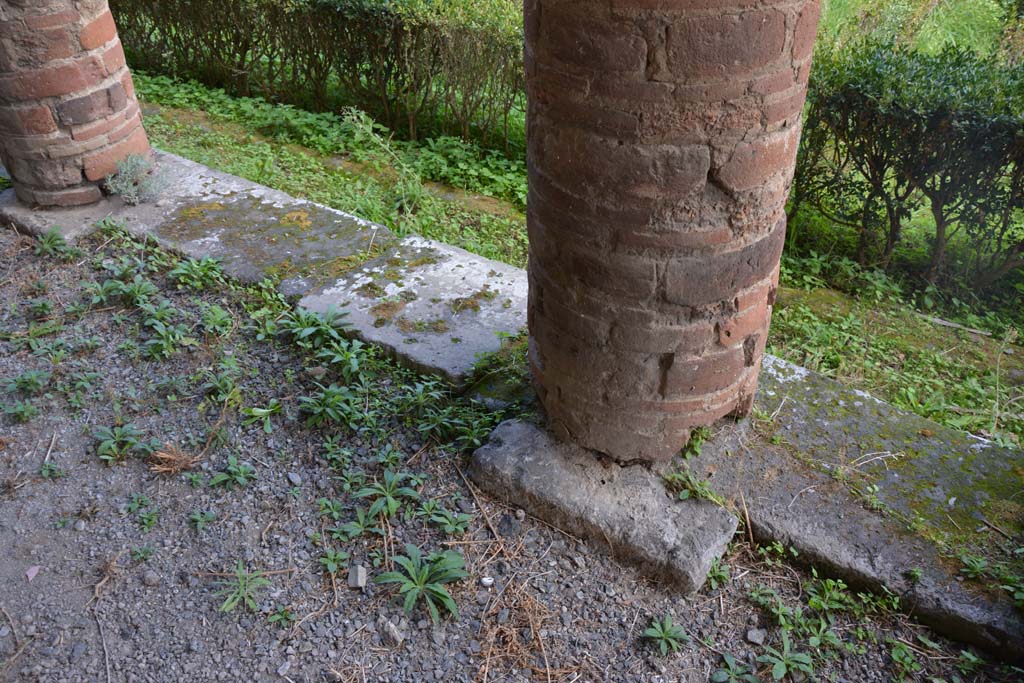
627 508
435 307
943 477
793 493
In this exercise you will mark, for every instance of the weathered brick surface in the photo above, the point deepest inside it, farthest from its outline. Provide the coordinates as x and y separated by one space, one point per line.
68 111
663 135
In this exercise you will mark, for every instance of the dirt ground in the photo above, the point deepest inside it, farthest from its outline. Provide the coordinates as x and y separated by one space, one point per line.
115 572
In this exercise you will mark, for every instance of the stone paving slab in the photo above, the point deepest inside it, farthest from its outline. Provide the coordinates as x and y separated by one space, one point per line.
796 492
626 509
435 307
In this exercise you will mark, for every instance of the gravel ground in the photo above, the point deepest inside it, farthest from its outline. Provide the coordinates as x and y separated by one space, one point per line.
103 577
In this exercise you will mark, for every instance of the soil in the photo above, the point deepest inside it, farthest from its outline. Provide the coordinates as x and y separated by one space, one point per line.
92 588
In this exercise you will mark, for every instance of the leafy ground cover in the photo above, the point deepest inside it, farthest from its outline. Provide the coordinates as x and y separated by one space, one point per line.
192 474
829 306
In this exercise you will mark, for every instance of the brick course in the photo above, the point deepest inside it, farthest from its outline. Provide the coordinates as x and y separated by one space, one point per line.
663 136
68 111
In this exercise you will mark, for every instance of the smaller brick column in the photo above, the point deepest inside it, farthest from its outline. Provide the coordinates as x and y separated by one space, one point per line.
68 111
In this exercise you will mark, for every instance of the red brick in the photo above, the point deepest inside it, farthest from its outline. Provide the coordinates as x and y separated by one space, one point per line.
72 196
46 174
56 80
132 122
99 31
586 115
806 30
593 45
128 85
788 108
704 374
725 45
776 82
615 273
735 329
36 48
102 163
96 128
688 339
113 59
586 162
699 281
33 120
753 163
673 240
62 18
681 5
707 415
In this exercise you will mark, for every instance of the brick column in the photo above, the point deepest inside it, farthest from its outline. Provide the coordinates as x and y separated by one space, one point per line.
68 111
662 142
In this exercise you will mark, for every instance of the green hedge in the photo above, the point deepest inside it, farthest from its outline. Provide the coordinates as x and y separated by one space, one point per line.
890 130
443 66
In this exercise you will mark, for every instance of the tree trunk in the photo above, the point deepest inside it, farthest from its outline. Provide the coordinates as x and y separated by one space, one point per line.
939 248
662 143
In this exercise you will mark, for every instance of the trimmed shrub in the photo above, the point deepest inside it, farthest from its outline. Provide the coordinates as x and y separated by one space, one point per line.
444 66
890 129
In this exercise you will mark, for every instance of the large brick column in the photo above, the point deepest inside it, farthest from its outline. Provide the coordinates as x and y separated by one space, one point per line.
68 111
662 142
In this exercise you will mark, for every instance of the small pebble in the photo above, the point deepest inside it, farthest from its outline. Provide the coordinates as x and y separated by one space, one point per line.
520 514
151 578
357 576
294 479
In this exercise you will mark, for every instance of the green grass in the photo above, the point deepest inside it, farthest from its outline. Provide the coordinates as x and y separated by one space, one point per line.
926 24
370 189
870 337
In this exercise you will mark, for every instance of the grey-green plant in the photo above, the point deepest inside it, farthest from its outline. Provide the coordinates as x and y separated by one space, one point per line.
666 635
332 560
262 415
241 588
50 470
21 411
282 616
217 321
451 523
29 381
118 442
732 671
142 553
235 473
718 575
387 495
200 519
424 579
137 180
362 524
197 274
52 243
148 519
786 661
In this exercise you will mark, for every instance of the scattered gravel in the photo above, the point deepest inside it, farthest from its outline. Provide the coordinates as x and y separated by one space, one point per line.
110 595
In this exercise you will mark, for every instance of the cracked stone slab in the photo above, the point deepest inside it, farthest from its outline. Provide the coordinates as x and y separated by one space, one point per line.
256 231
627 508
797 492
435 307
